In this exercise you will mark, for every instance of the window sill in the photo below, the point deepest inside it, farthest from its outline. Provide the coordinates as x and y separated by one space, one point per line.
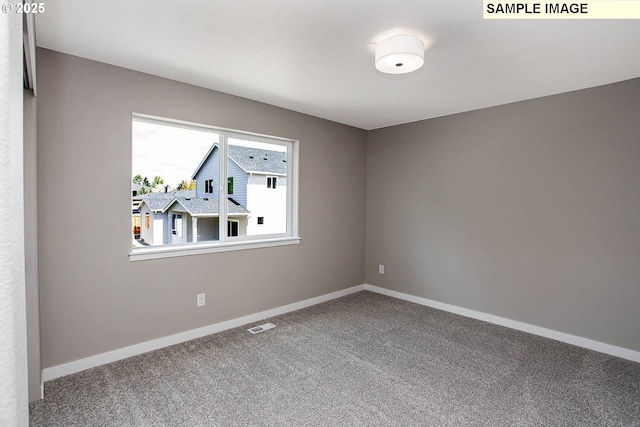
170 251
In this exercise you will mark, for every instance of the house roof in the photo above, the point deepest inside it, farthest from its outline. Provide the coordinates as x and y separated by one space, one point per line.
170 194
253 160
206 206
158 201
258 160
155 205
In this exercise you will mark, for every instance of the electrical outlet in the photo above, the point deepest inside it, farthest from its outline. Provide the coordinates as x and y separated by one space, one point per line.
200 301
381 268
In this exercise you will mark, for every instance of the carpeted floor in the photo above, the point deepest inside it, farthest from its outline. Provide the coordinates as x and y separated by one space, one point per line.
365 359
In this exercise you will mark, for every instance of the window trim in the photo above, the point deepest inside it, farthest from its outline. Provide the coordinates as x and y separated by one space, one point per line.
177 250
290 237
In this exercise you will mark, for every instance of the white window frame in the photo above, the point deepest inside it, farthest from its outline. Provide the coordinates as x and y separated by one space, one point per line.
226 243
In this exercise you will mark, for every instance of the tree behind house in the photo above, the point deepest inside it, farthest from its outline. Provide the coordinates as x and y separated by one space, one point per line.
187 185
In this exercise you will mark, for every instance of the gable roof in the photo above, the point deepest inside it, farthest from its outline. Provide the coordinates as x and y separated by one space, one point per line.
251 160
205 206
158 201
155 205
204 160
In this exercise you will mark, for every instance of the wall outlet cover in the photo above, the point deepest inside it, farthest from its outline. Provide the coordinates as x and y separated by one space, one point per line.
200 300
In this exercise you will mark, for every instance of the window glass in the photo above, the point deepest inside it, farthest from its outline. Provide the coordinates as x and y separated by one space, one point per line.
233 228
177 169
230 185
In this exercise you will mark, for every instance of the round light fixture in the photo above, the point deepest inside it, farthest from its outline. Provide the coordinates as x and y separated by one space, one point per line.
400 54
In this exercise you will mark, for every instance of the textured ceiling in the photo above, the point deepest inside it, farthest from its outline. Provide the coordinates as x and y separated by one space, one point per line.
317 57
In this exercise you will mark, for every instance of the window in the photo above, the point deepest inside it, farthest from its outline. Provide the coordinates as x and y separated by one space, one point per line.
146 220
179 167
208 186
230 185
272 181
176 225
233 228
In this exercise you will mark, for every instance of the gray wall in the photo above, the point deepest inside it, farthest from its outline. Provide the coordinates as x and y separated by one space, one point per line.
530 211
31 244
93 299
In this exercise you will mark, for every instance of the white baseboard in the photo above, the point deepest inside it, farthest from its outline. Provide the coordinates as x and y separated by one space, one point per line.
601 347
133 350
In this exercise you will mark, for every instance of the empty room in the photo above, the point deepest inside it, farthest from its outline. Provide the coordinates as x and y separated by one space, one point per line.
289 213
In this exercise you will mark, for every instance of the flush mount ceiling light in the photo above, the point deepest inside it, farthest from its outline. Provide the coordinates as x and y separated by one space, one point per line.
400 54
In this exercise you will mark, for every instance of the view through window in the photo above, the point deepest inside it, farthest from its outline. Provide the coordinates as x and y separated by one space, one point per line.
177 171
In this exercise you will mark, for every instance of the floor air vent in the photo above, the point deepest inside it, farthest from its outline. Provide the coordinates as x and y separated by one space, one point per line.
261 328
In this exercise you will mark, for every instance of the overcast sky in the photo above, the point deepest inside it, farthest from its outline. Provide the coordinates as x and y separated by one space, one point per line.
169 152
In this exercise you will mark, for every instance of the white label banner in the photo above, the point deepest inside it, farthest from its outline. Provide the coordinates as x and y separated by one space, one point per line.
591 9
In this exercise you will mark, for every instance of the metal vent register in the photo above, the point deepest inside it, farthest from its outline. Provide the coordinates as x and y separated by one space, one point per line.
261 328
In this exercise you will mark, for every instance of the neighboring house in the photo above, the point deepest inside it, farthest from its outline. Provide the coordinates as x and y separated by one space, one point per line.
196 219
154 227
257 179
181 217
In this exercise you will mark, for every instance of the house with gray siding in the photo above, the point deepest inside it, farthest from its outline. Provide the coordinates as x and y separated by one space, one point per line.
196 219
181 217
154 220
256 179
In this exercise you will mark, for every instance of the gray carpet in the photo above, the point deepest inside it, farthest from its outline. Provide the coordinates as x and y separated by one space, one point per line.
365 359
